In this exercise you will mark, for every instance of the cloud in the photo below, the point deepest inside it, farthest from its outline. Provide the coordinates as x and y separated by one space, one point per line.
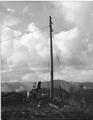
36 43
65 40
72 48
7 37
10 10
71 10
71 45
80 15
31 77
26 9
19 57
3 9
32 46
77 12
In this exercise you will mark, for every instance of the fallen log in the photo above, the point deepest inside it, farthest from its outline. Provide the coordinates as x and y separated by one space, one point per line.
54 106
58 110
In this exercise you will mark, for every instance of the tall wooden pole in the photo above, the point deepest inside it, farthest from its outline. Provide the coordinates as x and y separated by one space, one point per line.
51 56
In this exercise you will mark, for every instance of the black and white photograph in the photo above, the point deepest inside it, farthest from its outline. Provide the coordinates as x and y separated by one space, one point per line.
46 52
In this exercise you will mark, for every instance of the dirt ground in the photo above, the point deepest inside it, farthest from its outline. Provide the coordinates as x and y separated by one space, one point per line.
16 106
30 111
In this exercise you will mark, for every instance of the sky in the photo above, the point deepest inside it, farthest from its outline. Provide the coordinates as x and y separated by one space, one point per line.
25 45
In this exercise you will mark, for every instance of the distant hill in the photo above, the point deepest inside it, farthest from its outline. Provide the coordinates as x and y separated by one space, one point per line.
5 88
16 86
68 85
57 83
9 86
28 85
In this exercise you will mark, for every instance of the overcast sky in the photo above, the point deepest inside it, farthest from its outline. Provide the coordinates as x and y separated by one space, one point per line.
24 29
